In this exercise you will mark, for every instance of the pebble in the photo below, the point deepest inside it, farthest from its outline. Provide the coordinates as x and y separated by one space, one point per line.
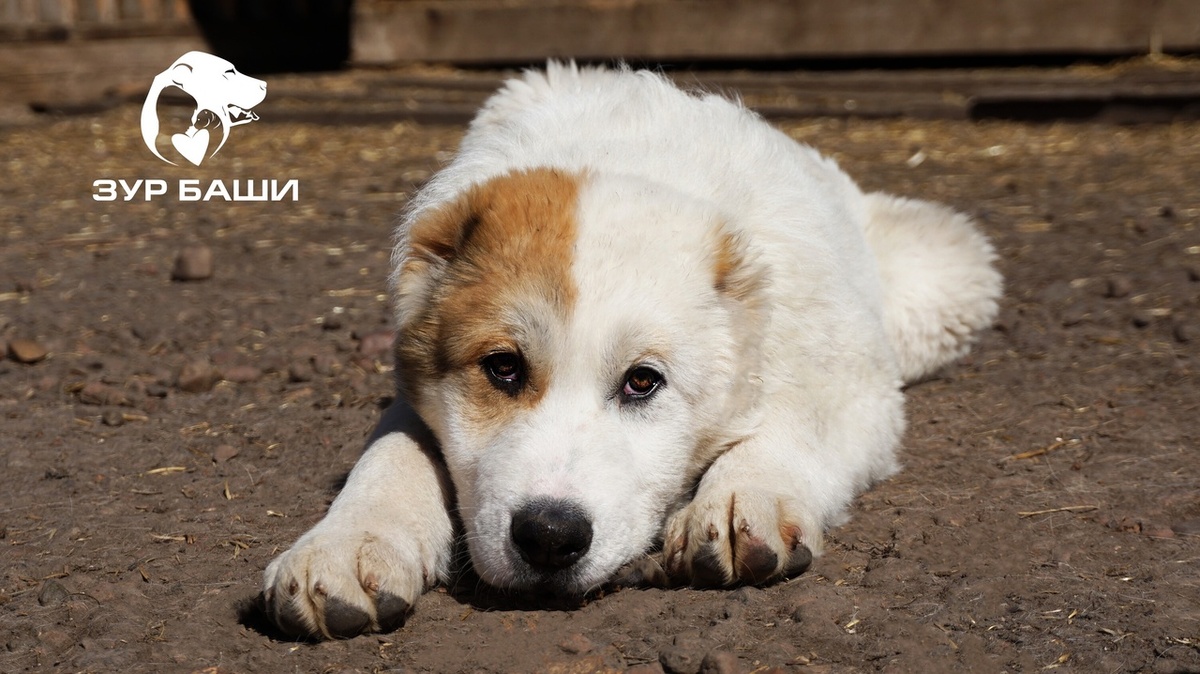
1155 530
300 372
224 453
1184 332
326 364
197 377
1118 286
241 374
96 393
52 593
193 263
1193 272
577 644
57 640
1075 314
113 418
720 662
376 343
27 350
683 656
332 321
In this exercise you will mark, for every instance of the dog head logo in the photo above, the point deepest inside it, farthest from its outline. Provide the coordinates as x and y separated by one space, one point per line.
224 98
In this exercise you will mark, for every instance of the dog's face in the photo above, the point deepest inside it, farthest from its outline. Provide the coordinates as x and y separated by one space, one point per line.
576 344
218 86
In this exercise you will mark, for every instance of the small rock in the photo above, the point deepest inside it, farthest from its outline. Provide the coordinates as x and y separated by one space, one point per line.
1155 530
241 374
1075 314
1126 523
224 358
300 372
56 640
376 343
27 351
52 593
147 333
1140 318
96 393
332 321
326 364
1118 286
683 656
113 418
797 614
224 453
720 662
577 644
1184 332
273 362
197 377
1193 272
193 263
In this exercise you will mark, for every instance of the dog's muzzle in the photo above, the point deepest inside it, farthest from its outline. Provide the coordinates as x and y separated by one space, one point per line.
551 535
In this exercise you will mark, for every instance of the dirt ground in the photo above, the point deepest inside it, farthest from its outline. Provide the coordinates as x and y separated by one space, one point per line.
176 435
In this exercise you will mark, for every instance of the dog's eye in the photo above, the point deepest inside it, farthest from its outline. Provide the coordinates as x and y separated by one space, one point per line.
505 370
640 383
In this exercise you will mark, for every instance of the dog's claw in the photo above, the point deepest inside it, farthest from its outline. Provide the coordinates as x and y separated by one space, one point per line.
645 571
798 561
344 620
754 561
737 539
287 617
391 611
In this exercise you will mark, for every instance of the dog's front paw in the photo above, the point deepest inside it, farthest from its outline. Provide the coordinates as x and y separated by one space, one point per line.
739 536
334 583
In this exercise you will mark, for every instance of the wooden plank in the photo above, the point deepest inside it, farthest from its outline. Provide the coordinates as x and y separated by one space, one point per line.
78 71
481 31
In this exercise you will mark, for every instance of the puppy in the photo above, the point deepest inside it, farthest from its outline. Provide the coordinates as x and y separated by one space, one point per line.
634 319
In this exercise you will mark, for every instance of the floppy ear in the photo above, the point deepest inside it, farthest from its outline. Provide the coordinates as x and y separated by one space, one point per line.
427 243
738 275
442 233
180 74
741 282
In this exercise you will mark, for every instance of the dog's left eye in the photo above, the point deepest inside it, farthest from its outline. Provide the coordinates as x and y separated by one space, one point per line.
505 370
640 383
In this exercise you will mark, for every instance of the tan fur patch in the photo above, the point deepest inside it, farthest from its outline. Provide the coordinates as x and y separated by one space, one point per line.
495 269
733 275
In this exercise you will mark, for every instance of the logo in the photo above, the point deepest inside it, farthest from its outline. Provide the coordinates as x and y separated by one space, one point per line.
224 99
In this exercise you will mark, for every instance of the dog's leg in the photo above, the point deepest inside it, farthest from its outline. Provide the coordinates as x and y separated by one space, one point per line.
748 523
761 508
386 539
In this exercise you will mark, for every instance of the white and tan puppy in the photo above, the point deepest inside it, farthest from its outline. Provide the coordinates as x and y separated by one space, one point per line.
631 317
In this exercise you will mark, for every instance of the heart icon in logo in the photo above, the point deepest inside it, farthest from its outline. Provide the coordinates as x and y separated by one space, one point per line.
191 147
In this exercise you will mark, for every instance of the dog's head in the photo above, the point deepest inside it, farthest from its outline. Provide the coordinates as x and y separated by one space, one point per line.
582 347
220 91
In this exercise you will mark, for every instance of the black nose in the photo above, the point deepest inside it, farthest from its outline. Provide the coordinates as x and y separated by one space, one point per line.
551 535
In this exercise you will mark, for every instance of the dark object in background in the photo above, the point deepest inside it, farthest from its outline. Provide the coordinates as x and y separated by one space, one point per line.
268 36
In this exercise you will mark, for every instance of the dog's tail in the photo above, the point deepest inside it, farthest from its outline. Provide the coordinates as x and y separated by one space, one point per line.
939 284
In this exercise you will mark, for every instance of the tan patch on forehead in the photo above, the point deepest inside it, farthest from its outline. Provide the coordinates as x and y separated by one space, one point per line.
495 269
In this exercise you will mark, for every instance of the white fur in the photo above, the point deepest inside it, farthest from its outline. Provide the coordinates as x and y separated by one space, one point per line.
787 399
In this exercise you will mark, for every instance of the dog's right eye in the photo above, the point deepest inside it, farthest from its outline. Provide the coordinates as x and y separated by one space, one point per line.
505 370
